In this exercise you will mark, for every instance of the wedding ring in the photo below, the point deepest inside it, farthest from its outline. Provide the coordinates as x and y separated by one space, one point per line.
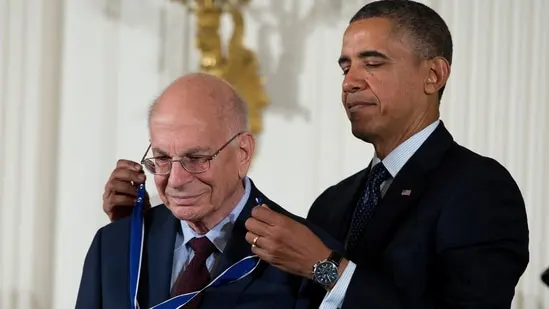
254 243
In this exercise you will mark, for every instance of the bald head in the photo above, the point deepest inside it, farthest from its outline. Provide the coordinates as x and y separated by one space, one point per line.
201 97
198 120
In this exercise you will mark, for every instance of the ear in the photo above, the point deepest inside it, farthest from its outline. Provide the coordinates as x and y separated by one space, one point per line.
437 75
245 153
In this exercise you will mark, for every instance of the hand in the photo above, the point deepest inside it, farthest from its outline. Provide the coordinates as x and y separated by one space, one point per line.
284 243
121 190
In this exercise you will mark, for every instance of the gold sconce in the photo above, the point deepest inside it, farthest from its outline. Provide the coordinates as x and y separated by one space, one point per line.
238 65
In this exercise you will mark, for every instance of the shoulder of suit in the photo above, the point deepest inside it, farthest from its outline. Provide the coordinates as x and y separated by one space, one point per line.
467 162
276 207
462 172
457 160
281 210
159 212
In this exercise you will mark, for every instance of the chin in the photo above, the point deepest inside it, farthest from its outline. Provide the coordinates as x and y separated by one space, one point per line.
362 133
189 213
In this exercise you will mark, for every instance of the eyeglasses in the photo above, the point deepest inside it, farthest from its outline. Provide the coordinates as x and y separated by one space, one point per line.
162 165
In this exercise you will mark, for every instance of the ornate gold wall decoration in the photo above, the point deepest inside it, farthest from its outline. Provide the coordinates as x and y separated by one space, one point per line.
238 65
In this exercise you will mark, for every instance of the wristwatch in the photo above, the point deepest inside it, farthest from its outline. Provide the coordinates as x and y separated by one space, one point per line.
325 271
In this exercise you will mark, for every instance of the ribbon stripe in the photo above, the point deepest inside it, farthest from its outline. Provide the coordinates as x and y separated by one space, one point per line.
234 273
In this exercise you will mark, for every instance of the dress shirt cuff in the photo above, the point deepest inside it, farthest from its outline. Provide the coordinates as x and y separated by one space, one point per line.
334 298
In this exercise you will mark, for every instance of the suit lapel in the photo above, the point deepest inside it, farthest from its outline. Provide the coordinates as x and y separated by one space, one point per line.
237 247
404 192
159 251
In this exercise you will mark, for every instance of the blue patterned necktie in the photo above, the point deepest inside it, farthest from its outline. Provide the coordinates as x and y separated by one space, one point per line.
367 204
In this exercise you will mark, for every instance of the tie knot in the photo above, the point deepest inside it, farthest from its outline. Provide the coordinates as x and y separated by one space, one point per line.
379 174
202 246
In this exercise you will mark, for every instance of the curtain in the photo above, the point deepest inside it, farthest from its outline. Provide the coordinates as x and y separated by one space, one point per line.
77 77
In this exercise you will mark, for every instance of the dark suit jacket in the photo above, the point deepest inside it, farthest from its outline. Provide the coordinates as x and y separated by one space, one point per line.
105 282
459 240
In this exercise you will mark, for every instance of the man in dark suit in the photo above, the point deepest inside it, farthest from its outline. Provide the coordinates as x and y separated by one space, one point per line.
201 152
428 224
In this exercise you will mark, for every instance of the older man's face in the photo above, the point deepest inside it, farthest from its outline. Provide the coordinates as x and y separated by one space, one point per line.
195 131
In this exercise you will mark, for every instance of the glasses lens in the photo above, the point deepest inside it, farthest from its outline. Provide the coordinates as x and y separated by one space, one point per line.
195 165
158 165
149 165
163 166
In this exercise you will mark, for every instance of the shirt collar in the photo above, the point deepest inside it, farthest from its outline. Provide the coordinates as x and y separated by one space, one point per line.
219 235
397 158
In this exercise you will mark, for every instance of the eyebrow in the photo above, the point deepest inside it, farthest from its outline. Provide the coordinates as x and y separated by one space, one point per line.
363 54
191 151
158 152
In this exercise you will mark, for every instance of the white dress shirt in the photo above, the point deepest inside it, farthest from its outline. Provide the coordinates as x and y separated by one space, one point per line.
219 235
394 163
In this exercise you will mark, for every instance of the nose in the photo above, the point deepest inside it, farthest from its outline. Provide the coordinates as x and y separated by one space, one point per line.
353 82
179 176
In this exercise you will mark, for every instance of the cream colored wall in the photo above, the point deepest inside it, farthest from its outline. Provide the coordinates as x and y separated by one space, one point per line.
110 58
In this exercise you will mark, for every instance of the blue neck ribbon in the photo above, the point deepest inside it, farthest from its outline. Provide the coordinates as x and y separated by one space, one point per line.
237 271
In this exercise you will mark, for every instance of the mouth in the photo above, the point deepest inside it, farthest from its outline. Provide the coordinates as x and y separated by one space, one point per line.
188 200
353 106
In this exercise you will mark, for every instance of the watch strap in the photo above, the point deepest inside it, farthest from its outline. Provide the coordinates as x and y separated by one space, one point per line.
335 257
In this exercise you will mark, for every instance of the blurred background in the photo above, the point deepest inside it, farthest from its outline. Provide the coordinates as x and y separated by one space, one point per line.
77 77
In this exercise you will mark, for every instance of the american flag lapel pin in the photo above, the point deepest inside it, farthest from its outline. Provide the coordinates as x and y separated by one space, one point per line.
406 192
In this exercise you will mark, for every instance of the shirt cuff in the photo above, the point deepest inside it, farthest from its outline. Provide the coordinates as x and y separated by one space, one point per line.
334 298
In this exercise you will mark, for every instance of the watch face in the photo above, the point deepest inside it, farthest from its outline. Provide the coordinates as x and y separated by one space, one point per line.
326 273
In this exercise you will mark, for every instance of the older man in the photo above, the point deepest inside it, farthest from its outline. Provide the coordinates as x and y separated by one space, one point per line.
200 153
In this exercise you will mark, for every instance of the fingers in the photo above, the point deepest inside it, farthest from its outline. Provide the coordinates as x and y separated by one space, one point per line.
257 227
262 253
121 189
261 246
258 241
120 212
122 200
124 173
128 165
264 214
259 236
119 206
252 238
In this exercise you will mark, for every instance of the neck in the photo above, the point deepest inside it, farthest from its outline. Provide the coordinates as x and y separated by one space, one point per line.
206 224
385 146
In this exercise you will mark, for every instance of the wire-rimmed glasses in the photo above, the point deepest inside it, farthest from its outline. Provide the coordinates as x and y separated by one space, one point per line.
162 165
